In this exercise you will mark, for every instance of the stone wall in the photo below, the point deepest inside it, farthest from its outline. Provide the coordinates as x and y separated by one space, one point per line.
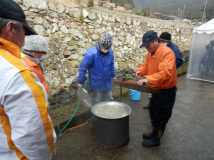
71 31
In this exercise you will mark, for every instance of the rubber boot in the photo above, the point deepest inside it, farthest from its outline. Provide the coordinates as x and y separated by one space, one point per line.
147 136
155 137
146 106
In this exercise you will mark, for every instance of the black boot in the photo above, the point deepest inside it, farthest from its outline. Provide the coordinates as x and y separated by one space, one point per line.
155 137
146 106
147 136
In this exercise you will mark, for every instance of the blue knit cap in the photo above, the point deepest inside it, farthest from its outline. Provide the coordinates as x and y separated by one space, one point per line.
106 41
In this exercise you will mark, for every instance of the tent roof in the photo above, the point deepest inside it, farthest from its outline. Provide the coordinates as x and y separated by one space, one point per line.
206 28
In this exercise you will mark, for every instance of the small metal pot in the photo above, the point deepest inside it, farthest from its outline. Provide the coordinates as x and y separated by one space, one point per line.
109 131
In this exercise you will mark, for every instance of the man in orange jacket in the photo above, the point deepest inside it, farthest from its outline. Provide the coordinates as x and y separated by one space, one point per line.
35 50
160 70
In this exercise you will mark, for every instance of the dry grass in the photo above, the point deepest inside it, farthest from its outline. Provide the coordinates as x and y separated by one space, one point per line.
182 69
116 91
77 3
69 3
59 115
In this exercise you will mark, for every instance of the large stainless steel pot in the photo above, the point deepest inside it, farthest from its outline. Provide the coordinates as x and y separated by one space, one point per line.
111 131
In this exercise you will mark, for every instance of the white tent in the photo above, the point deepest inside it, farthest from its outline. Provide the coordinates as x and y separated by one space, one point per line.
201 58
205 28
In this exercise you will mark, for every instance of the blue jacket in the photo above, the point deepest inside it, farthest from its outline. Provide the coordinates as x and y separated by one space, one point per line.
174 48
101 69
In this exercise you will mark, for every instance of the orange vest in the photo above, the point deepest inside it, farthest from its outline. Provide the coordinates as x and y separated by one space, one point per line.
36 69
160 68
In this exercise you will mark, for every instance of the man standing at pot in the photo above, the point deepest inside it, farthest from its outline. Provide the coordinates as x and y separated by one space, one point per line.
99 61
165 38
35 50
160 68
26 130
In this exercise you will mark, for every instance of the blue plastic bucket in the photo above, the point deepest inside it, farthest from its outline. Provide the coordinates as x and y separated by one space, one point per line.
135 95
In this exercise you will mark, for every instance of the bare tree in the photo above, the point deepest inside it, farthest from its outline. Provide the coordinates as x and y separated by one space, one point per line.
149 12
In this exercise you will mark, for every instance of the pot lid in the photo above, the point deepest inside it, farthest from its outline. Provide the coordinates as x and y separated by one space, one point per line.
111 110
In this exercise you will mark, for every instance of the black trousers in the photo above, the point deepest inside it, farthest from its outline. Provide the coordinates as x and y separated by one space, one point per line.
161 106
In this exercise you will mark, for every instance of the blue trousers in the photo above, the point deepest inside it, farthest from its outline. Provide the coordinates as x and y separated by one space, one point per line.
161 106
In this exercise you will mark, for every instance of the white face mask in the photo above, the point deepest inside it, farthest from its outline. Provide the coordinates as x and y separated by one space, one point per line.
104 50
42 58
165 44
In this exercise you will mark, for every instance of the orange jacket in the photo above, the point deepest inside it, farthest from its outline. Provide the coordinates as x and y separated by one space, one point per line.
36 69
160 68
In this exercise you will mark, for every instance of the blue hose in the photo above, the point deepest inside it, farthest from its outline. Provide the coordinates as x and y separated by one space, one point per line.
74 112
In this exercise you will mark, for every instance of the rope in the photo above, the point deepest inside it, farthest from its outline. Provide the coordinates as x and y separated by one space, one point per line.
74 111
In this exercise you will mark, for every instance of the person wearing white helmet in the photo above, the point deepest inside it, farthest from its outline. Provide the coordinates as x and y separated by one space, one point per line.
34 52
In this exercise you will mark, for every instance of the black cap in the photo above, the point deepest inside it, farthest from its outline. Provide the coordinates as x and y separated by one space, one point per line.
165 36
11 10
148 37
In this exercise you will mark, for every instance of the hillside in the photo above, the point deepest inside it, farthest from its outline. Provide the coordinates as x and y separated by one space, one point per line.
193 8
69 3
162 3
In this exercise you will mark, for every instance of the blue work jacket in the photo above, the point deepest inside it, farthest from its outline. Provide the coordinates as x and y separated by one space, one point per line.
101 69
174 48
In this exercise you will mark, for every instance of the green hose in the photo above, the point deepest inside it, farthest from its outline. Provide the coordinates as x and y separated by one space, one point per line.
74 112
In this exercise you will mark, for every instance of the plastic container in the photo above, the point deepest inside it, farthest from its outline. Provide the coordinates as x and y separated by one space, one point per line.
135 95
84 98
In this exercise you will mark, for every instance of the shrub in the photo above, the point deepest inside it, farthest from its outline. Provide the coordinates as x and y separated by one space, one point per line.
101 4
90 3
81 17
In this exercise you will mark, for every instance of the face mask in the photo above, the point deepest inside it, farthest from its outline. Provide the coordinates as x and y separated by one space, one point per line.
42 58
165 43
104 51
